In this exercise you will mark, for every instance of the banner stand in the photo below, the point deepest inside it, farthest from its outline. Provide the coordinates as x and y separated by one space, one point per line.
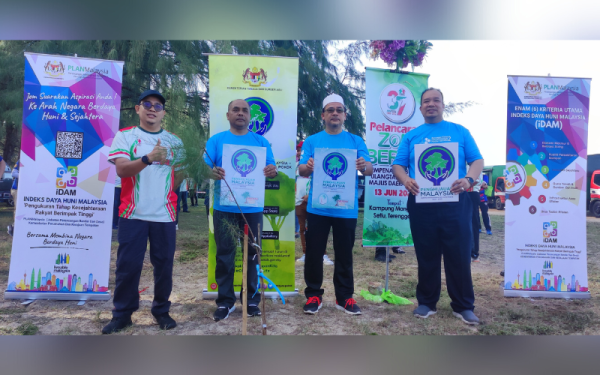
271 295
58 296
539 294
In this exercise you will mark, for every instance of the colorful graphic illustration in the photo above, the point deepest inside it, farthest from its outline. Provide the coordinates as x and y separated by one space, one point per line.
550 229
56 283
66 177
436 164
546 282
397 103
244 161
335 165
261 115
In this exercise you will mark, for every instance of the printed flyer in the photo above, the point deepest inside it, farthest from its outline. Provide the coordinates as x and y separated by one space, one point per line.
392 110
546 162
435 171
62 235
244 173
334 178
270 86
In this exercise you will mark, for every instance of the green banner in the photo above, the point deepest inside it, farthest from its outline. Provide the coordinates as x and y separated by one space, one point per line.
393 101
270 86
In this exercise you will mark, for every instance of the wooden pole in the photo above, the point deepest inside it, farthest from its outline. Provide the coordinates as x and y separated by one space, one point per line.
244 294
262 289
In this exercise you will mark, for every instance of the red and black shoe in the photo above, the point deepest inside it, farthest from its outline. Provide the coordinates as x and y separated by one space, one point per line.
313 305
349 307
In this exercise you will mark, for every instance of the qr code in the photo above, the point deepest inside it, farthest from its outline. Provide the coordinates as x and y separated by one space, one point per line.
69 145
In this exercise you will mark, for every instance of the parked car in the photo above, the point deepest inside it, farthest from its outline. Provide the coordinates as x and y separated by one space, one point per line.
5 185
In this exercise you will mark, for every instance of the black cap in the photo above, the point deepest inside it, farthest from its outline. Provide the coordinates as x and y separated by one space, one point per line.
148 93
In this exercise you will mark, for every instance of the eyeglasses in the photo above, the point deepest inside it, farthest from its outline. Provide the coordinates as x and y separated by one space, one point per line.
338 110
157 107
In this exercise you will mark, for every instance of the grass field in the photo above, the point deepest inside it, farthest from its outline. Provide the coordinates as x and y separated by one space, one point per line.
499 315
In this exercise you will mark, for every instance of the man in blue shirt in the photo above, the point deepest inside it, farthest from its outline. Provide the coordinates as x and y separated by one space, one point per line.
13 192
238 115
321 220
441 228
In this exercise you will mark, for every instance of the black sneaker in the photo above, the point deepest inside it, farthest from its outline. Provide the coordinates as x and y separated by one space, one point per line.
165 321
313 305
381 257
222 313
253 310
117 325
350 307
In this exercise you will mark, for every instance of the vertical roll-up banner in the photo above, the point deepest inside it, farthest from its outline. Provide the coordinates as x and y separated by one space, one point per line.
392 101
545 180
270 86
62 235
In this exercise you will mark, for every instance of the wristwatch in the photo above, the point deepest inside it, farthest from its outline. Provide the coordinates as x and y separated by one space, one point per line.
145 160
471 181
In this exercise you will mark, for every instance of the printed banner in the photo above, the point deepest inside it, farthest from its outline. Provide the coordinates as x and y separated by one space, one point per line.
435 171
62 236
393 101
270 86
244 173
334 178
546 161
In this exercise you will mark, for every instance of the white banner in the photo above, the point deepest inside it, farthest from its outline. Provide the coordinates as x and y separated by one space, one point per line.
244 173
545 179
62 235
334 178
435 171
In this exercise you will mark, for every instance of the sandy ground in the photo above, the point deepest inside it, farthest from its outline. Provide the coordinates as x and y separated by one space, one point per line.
499 315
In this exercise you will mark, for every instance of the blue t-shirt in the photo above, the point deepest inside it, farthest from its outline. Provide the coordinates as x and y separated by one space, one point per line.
214 148
441 132
342 140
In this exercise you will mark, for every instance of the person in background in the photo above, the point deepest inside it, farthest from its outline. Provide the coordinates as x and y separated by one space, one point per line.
13 192
473 192
193 192
117 203
183 193
483 205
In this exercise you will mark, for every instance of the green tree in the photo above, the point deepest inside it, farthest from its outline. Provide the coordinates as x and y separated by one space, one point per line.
336 198
281 198
245 196
243 162
436 164
256 117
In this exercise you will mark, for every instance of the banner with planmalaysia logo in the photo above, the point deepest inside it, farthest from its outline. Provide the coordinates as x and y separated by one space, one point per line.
270 87
545 183
392 110
62 231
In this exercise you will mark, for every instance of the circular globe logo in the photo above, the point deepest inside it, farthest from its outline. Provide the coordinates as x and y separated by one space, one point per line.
261 115
397 103
436 164
335 165
243 161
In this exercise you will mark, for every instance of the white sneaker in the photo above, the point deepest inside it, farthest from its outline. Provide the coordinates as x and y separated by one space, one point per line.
176 226
301 259
327 261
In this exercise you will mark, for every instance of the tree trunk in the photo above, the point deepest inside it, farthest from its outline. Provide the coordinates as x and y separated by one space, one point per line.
10 143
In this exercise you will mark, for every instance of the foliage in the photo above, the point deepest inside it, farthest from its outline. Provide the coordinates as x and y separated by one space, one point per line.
381 234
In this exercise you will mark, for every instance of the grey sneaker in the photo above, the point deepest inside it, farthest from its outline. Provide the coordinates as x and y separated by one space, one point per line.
423 312
467 316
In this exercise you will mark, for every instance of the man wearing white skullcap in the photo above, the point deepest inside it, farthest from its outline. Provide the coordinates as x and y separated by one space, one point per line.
321 220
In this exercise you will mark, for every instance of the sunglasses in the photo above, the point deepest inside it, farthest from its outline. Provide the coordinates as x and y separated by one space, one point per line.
338 110
157 107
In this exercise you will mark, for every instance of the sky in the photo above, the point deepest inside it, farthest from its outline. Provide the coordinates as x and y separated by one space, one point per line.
478 70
